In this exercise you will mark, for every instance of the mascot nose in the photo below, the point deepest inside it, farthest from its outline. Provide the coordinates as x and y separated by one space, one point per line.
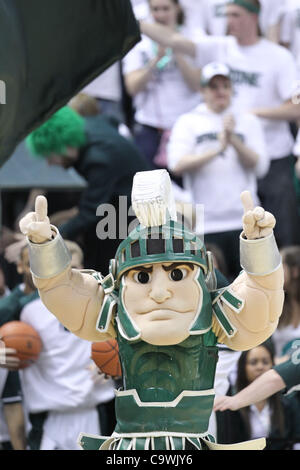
159 293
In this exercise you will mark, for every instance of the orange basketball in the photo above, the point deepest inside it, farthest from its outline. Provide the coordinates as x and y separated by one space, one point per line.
24 338
106 356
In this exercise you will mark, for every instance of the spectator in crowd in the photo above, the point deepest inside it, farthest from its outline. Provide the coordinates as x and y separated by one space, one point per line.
219 152
60 393
264 75
271 418
289 323
108 162
163 84
282 377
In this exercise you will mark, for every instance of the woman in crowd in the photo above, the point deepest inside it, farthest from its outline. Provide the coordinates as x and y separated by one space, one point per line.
163 83
271 418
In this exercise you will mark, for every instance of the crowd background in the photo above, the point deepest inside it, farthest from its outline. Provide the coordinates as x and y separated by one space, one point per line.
213 97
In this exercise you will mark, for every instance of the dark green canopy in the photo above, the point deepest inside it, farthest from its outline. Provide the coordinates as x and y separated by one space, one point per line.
49 50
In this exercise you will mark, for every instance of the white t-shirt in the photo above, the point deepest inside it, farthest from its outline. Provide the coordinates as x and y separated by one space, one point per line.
260 421
264 75
218 184
107 86
167 95
194 17
60 380
15 398
270 14
226 364
290 30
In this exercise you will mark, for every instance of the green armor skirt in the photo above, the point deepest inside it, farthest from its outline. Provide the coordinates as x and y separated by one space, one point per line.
177 425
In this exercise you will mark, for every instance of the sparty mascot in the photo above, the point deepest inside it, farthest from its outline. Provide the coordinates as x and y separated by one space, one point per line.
165 303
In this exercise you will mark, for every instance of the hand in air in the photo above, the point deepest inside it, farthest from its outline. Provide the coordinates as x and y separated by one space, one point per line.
36 225
257 223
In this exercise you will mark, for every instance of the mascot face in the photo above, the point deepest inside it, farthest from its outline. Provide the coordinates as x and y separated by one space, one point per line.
163 299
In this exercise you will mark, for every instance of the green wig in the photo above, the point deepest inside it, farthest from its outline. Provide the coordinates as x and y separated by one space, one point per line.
64 129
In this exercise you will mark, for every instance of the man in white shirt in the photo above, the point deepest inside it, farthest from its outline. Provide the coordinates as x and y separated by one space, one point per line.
264 77
153 76
219 152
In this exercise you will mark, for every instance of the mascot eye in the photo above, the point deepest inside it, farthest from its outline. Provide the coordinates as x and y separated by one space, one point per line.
178 274
142 277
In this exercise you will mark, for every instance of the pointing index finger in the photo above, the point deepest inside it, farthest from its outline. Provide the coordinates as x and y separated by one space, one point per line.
247 201
41 208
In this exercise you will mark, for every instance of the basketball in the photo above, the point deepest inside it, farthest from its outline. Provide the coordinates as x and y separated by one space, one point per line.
106 356
24 339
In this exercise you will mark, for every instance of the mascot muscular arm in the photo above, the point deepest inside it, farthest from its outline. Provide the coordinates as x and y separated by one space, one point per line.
74 297
259 286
